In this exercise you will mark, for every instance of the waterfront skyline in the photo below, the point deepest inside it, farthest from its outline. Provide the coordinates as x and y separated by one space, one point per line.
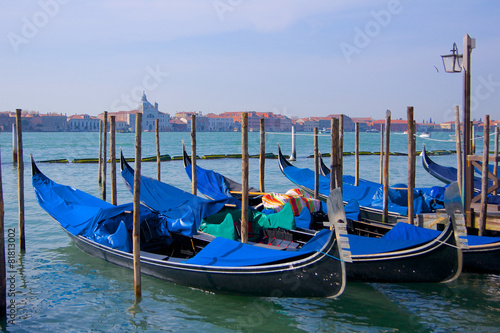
298 58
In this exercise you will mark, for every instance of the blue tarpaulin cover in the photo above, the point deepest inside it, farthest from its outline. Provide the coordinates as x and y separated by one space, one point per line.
225 252
401 236
482 240
367 194
211 183
85 215
184 210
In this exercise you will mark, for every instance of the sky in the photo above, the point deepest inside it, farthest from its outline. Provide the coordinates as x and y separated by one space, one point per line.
296 58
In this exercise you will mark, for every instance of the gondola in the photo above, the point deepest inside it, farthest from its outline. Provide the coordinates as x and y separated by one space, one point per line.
404 254
446 174
482 256
368 196
198 260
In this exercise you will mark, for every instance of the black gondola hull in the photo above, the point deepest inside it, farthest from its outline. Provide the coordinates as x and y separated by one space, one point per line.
439 260
318 275
482 259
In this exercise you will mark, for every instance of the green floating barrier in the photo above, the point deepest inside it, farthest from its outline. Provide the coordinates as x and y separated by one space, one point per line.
233 156
165 157
55 161
176 158
211 157
85 160
267 155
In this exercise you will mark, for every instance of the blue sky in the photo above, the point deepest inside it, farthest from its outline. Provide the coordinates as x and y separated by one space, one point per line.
298 58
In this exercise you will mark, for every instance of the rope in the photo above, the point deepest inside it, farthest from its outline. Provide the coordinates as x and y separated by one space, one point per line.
450 245
329 255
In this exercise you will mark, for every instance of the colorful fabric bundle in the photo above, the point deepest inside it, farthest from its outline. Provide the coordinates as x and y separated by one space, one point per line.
297 198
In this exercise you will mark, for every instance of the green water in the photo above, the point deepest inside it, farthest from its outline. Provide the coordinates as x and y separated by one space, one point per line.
59 288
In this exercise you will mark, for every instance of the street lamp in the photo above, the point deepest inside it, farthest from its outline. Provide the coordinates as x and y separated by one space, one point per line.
453 62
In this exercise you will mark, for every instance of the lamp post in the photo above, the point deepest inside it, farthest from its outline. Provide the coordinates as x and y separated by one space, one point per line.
454 63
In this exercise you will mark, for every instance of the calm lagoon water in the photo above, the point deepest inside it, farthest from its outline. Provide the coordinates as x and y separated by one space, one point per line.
60 288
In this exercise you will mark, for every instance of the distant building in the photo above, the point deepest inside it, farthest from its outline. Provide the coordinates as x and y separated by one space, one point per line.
125 120
83 123
397 125
364 123
217 123
52 122
6 121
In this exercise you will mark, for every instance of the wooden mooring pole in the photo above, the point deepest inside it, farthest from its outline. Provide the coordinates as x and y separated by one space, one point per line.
20 177
385 211
484 178
112 155
244 173
158 156
411 163
334 151
104 153
316 164
381 154
356 154
458 141
495 154
14 143
293 156
99 177
262 155
136 234
194 179
340 163
3 275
